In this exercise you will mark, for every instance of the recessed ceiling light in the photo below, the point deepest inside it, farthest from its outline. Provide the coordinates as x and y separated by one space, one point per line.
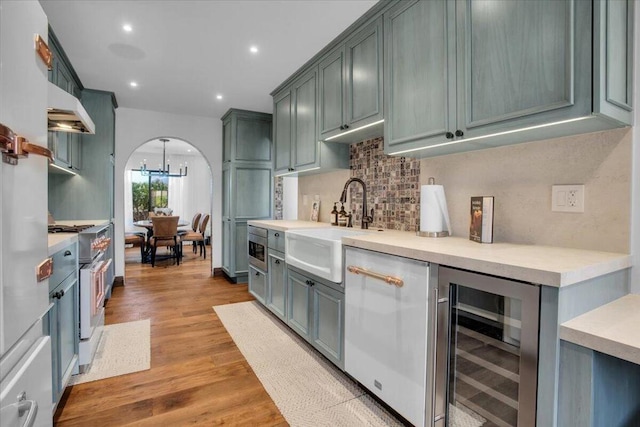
127 27
133 84
188 150
253 49
218 96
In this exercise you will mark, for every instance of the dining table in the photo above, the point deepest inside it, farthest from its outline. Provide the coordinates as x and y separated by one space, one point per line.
148 224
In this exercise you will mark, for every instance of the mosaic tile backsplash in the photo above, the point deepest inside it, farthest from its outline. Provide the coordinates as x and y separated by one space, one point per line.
277 197
393 187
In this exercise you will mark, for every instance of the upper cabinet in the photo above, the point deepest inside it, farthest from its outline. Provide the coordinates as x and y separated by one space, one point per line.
438 77
350 78
297 148
468 75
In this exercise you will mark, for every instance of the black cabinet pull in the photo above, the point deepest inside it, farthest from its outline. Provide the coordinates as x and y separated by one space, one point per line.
448 135
277 234
341 127
346 126
67 253
58 295
257 273
459 133
277 261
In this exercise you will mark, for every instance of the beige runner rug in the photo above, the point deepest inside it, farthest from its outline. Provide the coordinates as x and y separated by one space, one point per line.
307 389
123 349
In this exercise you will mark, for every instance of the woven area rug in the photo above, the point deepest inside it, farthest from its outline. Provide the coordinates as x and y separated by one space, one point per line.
124 348
307 389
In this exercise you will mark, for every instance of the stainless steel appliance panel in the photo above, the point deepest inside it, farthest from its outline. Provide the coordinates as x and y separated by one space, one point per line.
257 238
486 357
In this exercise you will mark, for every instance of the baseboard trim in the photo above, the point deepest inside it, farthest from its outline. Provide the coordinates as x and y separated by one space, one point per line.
218 272
118 281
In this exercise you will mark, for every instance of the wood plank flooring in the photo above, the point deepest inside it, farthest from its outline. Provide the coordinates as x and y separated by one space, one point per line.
197 375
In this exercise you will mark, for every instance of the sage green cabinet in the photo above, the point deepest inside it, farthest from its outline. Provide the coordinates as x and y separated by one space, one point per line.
350 80
467 75
247 184
276 298
297 148
316 313
257 283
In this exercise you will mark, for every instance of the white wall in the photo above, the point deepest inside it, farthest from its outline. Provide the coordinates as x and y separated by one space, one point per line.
136 127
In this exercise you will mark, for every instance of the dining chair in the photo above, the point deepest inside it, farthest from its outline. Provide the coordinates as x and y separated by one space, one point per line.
136 238
165 233
197 237
194 226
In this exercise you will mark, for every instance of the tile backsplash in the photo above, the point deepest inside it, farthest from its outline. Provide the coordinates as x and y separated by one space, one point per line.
519 176
278 190
393 186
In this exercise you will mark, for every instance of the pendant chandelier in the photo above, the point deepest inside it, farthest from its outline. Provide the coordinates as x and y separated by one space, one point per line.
164 170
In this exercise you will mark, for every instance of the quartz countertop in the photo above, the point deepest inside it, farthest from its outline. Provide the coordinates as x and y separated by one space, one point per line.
82 222
59 241
543 265
611 329
284 225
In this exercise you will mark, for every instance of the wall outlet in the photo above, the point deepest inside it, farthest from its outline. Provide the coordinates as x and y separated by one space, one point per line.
567 198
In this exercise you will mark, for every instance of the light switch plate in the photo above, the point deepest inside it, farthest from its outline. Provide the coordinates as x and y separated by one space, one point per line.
567 198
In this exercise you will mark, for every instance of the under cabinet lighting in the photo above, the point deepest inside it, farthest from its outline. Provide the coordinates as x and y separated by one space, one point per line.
69 171
65 126
354 130
296 172
395 153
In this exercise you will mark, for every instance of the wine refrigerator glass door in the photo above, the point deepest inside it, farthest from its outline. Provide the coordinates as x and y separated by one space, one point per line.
487 351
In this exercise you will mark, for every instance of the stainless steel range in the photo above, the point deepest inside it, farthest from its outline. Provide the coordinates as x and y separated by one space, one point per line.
95 282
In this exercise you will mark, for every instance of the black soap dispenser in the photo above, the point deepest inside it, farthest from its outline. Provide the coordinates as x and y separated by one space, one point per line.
334 215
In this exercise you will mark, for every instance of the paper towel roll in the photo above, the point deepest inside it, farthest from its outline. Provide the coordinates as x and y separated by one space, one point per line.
434 216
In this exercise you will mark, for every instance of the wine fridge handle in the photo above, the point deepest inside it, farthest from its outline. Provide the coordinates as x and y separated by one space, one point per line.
434 362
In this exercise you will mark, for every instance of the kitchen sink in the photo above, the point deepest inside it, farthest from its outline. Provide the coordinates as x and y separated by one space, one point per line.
318 250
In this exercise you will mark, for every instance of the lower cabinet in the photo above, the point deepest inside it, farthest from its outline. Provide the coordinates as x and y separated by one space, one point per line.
63 329
276 296
257 283
316 312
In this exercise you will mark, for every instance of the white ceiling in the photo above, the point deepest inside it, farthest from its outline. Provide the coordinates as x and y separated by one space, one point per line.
173 146
183 53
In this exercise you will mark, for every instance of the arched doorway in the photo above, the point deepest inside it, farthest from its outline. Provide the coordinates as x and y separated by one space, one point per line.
167 175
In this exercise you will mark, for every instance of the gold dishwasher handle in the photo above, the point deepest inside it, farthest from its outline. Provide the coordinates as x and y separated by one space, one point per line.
390 280
14 147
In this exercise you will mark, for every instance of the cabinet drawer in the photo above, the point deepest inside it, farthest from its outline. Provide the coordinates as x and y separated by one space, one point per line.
65 262
276 240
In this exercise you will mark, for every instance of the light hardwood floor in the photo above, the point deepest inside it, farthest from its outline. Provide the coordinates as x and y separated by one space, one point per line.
197 375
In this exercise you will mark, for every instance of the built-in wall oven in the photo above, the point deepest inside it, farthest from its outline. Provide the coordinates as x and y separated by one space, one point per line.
485 360
93 244
257 247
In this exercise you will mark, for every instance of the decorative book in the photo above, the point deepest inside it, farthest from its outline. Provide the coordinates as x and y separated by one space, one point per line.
481 226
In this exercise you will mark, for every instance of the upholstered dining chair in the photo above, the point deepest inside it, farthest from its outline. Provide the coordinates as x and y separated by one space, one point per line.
197 237
165 233
136 238
194 226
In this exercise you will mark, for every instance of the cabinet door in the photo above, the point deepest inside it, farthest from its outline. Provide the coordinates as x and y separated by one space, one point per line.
305 132
253 139
257 283
76 151
277 289
226 246
62 146
67 331
282 124
327 331
364 76
419 74
331 73
522 63
240 248
298 309
226 141
252 192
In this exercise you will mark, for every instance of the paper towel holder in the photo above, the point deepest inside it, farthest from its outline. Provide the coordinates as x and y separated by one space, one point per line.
444 233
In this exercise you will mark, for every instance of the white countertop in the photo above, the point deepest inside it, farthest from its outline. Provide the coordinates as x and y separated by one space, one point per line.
284 225
59 241
544 265
611 329
82 222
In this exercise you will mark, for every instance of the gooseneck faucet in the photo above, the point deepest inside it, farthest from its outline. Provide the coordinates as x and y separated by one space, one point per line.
366 219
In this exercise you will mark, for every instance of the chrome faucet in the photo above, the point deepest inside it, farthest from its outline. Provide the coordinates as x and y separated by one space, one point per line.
366 219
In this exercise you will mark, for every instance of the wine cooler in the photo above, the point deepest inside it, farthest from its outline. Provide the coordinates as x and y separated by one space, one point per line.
486 353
